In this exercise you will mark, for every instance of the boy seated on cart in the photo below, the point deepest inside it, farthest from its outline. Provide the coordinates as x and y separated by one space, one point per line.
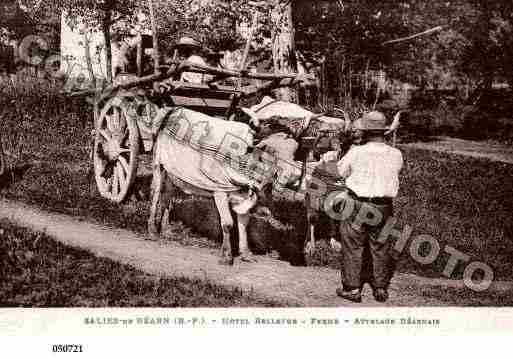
190 50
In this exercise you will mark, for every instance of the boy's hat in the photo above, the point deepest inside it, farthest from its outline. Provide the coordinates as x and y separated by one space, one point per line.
371 121
188 42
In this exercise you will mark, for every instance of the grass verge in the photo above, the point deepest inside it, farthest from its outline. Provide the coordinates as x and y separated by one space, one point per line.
37 271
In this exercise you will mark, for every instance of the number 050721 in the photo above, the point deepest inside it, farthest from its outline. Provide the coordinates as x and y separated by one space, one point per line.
68 348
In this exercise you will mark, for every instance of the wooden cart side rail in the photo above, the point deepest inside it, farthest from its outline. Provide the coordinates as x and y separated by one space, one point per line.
243 91
182 66
279 81
107 91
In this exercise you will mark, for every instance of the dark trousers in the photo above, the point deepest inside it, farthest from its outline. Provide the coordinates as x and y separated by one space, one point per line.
364 258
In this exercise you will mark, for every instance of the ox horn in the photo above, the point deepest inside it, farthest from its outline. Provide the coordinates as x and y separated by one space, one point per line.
347 124
347 120
395 123
317 115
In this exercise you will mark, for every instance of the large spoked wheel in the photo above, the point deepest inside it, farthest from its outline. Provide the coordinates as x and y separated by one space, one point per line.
116 147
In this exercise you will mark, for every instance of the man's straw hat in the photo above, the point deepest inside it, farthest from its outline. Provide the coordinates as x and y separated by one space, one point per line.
372 121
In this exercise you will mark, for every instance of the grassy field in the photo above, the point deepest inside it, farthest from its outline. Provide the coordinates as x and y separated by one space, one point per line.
37 271
465 203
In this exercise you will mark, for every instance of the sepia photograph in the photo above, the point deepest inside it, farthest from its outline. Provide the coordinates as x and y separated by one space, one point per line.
265 156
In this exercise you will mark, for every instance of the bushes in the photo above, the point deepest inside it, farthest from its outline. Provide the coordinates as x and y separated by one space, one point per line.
36 117
446 114
435 122
478 124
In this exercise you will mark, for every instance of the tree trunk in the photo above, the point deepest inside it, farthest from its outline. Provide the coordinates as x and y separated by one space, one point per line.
87 48
108 47
284 54
156 56
487 62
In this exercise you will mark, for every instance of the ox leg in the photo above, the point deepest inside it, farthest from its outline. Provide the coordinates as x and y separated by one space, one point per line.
242 223
266 205
223 208
310 245
156 210
310 226
166 202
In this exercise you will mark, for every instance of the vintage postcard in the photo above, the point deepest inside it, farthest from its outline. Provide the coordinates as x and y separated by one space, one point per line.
172 167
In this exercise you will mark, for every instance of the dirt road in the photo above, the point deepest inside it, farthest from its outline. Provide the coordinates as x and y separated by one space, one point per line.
475 149
304 286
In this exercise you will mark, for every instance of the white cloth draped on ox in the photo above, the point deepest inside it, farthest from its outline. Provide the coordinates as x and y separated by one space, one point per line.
298 118
203 151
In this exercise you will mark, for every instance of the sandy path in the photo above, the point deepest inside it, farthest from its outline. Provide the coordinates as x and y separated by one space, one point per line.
475 149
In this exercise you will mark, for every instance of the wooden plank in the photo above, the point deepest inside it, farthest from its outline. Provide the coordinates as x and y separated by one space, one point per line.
187 86
149 80
183 66
200 102
202 92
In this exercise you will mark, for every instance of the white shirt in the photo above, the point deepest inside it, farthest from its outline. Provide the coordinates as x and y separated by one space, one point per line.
372 169
329 156
194 77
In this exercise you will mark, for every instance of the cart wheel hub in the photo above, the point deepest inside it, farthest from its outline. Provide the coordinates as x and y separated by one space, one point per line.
112 150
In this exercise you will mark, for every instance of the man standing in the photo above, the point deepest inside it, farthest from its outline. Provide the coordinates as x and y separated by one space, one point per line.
372 178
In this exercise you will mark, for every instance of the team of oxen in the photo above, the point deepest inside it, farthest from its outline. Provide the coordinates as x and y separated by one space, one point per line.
237 163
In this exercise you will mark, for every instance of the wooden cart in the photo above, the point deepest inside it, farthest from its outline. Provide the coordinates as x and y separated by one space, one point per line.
124 114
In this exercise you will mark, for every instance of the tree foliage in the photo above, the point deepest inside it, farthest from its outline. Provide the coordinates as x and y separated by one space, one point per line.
474 47
475 44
